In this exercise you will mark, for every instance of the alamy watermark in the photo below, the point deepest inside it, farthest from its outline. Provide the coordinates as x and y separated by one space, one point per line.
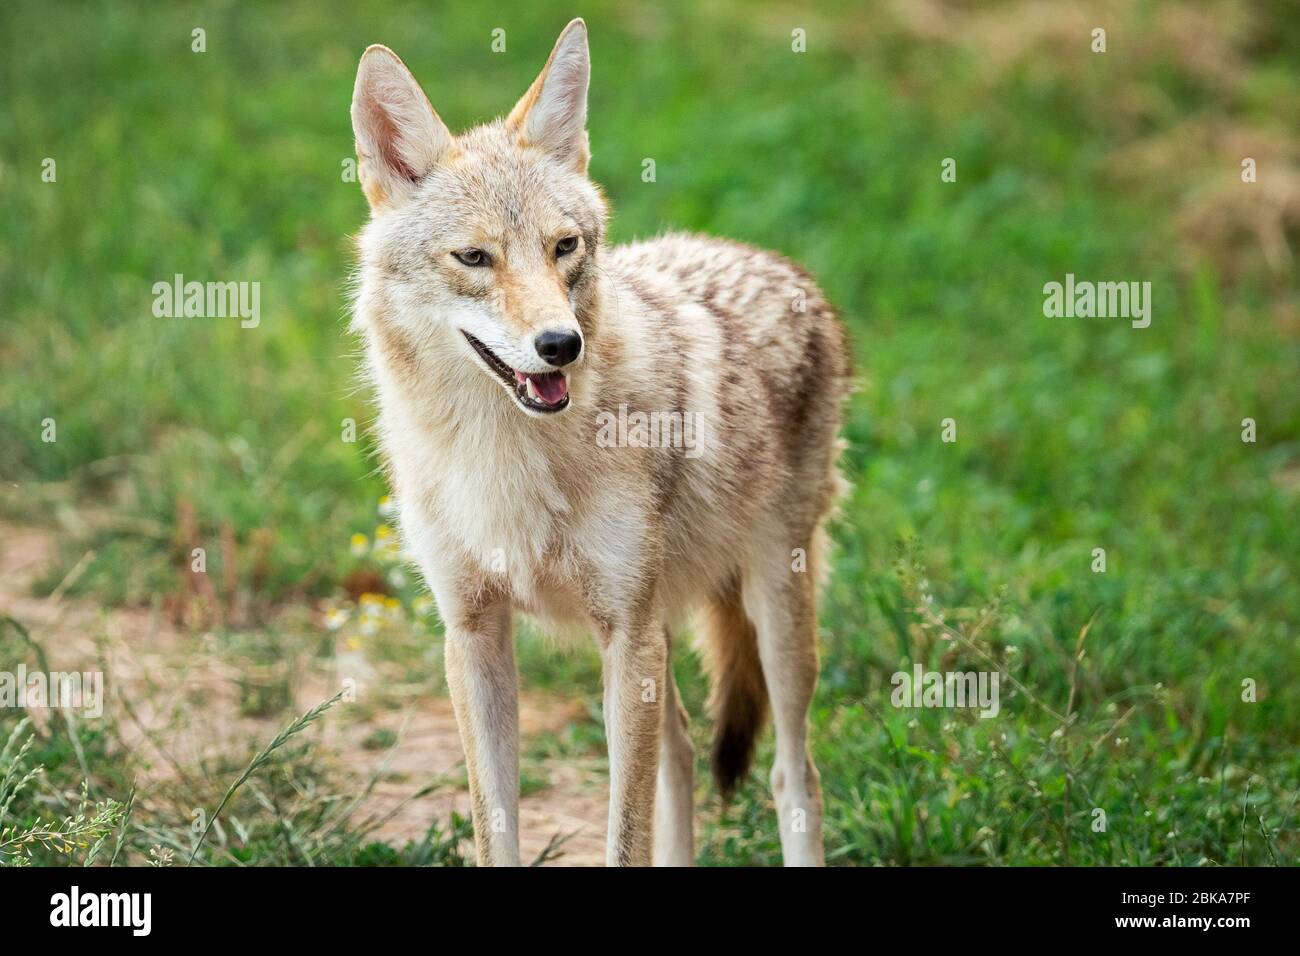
1101 300
75 908
685 430
923 688
208 300
71 689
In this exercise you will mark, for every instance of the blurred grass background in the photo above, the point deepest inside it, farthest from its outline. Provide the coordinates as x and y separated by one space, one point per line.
1073 434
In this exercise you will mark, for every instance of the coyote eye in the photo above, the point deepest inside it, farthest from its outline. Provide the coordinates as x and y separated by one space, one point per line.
565 246
472 257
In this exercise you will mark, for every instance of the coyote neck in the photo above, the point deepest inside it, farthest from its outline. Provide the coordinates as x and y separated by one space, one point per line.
500 484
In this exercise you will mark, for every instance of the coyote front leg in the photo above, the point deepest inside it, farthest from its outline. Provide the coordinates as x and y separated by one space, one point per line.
636 658
674 843
484 688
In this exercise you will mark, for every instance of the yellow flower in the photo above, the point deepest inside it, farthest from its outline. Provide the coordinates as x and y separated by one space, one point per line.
360 545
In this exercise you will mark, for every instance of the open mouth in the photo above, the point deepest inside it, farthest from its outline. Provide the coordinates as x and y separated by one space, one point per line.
536 391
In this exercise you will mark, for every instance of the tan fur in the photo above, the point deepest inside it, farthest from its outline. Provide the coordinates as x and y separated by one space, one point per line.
511 510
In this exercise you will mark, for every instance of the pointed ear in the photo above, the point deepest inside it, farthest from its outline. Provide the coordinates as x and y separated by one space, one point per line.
553 113
399 136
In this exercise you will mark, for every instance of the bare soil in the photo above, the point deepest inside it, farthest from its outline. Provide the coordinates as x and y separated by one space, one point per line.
177 704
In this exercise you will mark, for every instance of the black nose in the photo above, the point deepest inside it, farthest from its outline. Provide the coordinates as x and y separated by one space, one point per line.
558 348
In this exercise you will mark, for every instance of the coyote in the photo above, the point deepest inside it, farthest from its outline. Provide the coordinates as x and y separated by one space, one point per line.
497 328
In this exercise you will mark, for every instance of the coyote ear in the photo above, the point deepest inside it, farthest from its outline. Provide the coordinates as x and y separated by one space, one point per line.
553 113
399 136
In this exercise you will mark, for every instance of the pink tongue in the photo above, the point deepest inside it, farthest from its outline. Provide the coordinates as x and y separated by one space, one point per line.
551 386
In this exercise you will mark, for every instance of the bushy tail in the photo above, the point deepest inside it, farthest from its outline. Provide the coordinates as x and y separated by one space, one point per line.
738 697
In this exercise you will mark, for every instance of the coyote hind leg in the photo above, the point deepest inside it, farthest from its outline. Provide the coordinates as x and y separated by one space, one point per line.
781 602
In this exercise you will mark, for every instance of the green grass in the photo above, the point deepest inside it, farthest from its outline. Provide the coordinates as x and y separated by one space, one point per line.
1072 434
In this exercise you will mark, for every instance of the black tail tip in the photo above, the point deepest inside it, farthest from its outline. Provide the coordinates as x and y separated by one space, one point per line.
733 752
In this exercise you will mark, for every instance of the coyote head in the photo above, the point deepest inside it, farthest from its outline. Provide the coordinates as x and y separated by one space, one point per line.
481 249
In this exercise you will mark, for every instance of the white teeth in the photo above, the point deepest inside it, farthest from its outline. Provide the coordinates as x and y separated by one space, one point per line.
531 389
